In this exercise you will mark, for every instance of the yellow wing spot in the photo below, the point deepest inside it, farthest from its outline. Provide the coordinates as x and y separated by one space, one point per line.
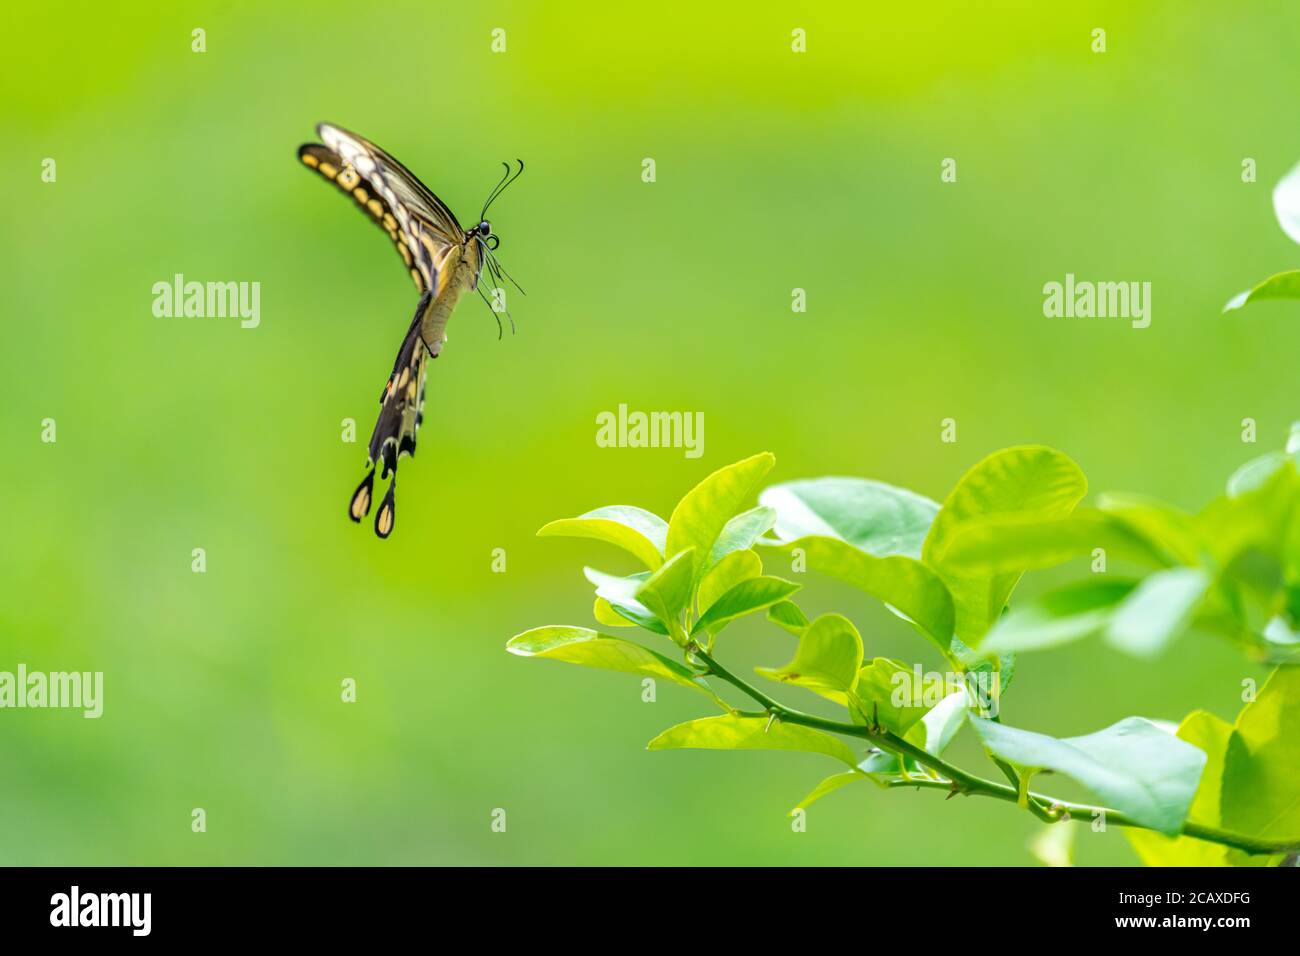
415 275
328 171
349 178
361 504
406 255
405 377
376 208
385 522
361 195
389 222
310 160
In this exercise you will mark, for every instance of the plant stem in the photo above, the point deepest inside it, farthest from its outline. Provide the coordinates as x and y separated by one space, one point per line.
1047 808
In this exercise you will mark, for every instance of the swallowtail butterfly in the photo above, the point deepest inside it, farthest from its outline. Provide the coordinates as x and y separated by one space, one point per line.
443 260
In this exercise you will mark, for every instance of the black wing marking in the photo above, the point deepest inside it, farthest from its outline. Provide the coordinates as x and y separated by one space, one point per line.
401 407
402 226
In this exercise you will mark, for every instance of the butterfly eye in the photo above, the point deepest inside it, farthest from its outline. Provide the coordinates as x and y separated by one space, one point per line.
484 229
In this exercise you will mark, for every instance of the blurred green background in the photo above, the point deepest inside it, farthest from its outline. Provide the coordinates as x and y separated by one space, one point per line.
775 171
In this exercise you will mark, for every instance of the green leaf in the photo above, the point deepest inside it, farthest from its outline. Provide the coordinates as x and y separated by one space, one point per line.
1206 731
903 583
935 731
604 613
872 516
1256 518
788 615
1026 542
1133 766
1284 285
740 533
746 597
829 657
1261 773
1028 479
886 690
620 594
700 516
726 574
1286 203
1058 617
636 530
580 645
742 732
829 785
1168 531
1053 845
668 590
1255 473
1157 610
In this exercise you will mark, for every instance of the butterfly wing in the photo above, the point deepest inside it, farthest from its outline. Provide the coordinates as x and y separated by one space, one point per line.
401 410
420 225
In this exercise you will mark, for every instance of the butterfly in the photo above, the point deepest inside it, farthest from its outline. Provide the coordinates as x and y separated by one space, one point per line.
443 260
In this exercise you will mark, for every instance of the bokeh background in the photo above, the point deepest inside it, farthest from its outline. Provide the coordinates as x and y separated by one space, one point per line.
775 171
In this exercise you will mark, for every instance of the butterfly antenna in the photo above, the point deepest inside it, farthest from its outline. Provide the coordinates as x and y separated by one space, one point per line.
502 186
496 190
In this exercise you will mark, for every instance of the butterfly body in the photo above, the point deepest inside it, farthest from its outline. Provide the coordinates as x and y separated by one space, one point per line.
443 259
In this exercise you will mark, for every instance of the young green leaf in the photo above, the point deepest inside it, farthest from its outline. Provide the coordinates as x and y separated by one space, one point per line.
740 533
699 518
1069 614
620 594
580 645
1133 766
1286 203
829 785
1029 479
829 657
1025 542
1284 285
1158 609
1053 845
604 613
870 515
635 530
1206 731
726 574
746 597
903 583
887 691
668 590
1261 771
744 732
1168 531
935 731
788 616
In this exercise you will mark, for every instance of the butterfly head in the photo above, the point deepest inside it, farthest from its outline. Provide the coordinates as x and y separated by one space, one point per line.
483 233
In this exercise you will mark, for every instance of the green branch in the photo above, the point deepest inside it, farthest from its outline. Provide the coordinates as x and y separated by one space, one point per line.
1047 808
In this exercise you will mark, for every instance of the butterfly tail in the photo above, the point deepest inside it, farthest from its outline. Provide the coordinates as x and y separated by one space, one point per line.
400 414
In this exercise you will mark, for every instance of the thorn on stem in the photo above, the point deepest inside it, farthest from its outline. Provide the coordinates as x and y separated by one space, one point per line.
771 719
